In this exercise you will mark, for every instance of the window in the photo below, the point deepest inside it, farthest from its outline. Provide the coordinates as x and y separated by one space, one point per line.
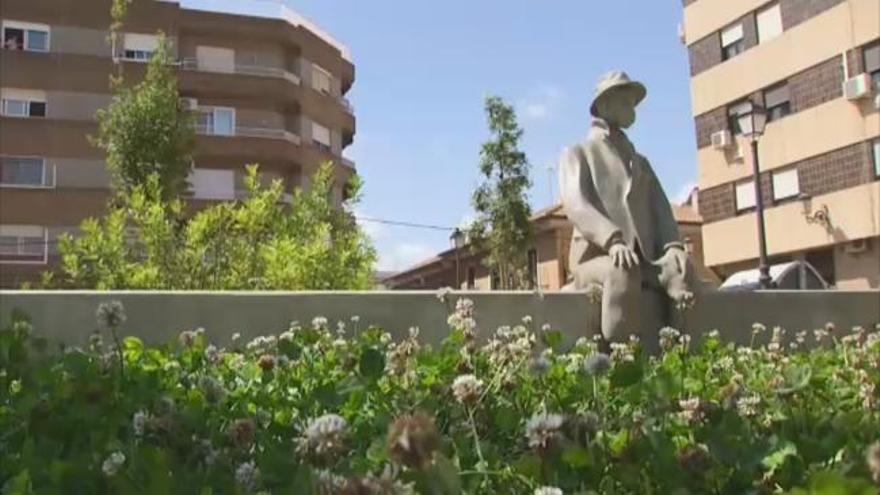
25 36
769 23
210 58
533 267
23 244
877 157
25 172
139 47
216 121
785 184
776 101
732 42
22 103
321 136
871 54
212 184
471 277
745 196
321 79
733 113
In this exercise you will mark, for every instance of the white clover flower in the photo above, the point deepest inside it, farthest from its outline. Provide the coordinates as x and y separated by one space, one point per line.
544 430
355 319
414 332
324 437
247 474
467 389
212 354
748 406
714 334
235 337
691 409
113 463
340 328
339 343
546 328
548 490
443 293
668 337
621 352
527 320
385 338
758 328
319 323
138 422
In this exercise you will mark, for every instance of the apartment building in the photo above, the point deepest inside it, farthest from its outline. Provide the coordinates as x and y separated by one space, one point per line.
267 89
814 66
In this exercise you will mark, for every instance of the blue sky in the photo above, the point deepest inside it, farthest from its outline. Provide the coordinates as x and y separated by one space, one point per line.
422 71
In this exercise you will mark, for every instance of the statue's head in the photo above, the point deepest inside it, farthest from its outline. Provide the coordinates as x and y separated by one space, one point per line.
616 99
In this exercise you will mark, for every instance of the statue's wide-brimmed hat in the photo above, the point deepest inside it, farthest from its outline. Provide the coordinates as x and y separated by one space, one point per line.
618 81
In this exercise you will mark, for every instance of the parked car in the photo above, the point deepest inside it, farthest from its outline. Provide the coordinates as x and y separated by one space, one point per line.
794 275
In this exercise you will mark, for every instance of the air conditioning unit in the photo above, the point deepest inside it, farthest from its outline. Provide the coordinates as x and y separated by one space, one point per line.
858 87
190 103
722 140
856 247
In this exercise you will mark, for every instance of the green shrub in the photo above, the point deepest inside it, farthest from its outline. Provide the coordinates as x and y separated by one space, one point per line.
346 410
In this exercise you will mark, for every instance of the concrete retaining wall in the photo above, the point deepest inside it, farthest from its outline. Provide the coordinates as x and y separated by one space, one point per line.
157 317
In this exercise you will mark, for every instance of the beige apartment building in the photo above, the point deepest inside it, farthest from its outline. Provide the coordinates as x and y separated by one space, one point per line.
814 65
267 89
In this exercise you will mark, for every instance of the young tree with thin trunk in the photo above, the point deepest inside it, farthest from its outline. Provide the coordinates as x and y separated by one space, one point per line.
502 225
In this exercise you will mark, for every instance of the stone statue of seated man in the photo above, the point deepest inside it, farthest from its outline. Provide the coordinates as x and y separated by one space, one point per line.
626 239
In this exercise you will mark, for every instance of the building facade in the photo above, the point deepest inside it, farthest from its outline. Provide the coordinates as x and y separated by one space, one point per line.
814 65
266 89
548 257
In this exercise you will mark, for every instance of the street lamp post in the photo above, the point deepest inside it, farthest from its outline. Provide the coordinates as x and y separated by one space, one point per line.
751 124
458 239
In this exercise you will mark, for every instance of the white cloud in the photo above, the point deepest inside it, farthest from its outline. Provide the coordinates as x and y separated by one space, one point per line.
683 192
404 255
541 103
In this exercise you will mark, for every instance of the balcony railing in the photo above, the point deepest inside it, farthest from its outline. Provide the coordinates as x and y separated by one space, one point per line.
250 70
254 132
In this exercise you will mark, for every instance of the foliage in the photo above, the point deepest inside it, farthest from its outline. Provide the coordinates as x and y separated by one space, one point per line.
502 224
257 243
145 130
316 410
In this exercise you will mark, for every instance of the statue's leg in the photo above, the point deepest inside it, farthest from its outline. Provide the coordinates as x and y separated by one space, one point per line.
621 295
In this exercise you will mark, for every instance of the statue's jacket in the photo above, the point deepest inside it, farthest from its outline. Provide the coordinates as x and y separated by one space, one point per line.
610 191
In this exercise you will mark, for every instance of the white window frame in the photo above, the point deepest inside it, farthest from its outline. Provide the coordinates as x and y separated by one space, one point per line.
142 47
48 174
769 23
19 231
317 70
320 143
211 128
745 195
26 97
27 27
876 152
786 184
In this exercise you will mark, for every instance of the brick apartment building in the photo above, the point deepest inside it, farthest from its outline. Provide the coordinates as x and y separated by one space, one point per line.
266 88
814 65
547 258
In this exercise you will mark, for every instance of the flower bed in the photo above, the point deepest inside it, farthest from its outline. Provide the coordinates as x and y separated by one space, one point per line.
345 410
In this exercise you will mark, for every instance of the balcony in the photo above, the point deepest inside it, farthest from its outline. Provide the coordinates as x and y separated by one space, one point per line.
193 64
252 132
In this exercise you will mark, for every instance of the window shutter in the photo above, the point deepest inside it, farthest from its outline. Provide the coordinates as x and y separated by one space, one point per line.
776 95
731 35
785 184
769 23
141 42
320 134
745 195
872 58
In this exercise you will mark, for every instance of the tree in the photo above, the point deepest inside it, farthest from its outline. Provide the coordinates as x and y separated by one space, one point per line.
502 226
145 130
259 243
